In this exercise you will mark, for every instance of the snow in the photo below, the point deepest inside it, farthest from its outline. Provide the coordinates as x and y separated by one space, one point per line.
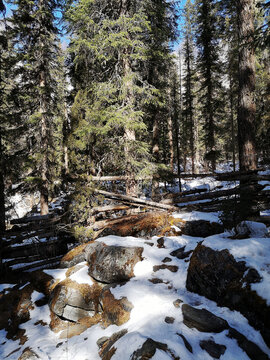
5 287
197 215
81 276
152 303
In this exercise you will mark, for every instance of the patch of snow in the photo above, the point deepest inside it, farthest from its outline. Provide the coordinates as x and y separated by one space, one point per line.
57 274
6 286
81 276
197 215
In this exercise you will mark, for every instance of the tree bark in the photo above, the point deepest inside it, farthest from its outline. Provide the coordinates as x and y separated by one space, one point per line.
246 106
2 190
246 103
44 188
170 135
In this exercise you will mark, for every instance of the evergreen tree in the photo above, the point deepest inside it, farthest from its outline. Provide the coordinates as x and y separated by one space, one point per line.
35 31
189 79
210 70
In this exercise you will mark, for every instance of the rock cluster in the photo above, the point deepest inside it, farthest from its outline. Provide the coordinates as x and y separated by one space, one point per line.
80 305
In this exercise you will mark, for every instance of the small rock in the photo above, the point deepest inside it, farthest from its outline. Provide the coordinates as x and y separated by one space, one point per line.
215 350
106 349
166 259
203 320
28 354
187 344
177 303
169 320
160 243
148 350
156 281
181 253
172 268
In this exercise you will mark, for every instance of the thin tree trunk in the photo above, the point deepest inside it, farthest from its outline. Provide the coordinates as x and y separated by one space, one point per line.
170 135
246 105
65 140
44 189
232 123
2 190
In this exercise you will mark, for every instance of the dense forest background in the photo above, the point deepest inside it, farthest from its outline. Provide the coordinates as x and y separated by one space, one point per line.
120 100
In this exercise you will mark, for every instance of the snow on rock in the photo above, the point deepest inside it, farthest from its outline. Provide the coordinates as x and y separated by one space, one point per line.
252 229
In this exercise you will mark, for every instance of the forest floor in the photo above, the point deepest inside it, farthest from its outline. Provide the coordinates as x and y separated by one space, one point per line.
157 294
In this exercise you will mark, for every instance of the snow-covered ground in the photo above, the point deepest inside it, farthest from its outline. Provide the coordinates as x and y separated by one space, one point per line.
153 302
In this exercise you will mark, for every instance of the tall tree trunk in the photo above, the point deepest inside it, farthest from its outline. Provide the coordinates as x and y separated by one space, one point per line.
66 129
170 135
44 189
130 134
246 104
232 122
2 190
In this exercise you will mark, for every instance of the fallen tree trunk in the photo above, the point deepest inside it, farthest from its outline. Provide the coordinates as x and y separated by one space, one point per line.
135 200
209 195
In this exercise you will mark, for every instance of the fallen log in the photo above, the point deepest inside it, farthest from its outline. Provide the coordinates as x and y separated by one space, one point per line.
37 264
185 193
211 195
47 249
134 200
108 208
36 218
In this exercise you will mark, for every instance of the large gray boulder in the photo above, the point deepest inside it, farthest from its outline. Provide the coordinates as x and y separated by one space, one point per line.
219 277
73 301
112 264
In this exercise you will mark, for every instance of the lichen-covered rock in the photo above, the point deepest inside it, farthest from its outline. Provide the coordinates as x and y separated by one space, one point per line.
112 264
107 350
15 309
74 256
203 320
219 277
28 354
115 311
73 301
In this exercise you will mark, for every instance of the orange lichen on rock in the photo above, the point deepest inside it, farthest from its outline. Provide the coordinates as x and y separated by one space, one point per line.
115 311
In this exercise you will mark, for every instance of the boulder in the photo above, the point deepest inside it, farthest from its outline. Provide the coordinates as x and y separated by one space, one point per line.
73 301
203 320
115 311
219 277
248 229
213 349
74 256
112 264
201 228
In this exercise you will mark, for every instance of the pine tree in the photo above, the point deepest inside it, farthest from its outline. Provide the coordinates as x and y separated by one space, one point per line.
112 94
189 79
35 31
210 70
